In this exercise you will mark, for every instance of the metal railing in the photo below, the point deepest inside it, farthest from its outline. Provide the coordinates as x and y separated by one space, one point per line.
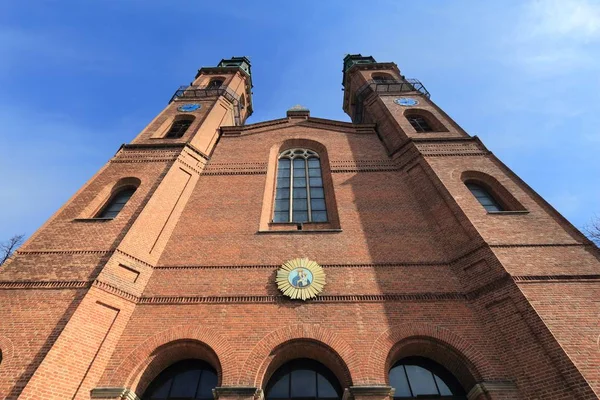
385 86
197 92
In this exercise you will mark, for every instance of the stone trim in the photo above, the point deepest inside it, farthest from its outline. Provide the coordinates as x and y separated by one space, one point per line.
374 390
494 387
237 391
116 393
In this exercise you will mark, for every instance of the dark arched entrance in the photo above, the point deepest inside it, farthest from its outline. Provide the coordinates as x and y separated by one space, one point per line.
184 380
303 379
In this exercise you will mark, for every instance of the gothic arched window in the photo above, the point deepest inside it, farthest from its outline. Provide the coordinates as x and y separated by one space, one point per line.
184 380
179 127
299 195
484 197
419 123
418 377
117 202
303 379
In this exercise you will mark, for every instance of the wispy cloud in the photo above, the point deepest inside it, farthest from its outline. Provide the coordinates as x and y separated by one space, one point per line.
555 37
565 19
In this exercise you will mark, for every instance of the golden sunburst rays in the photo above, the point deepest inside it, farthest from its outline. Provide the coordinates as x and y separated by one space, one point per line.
300 278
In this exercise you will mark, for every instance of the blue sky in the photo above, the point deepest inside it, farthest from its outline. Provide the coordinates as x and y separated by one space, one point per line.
79 78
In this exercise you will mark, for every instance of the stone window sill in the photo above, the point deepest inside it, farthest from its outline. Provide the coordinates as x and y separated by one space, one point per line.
292 227
92 219
508 212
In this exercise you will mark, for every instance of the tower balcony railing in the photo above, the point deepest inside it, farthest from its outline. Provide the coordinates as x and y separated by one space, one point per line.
197 92
391 86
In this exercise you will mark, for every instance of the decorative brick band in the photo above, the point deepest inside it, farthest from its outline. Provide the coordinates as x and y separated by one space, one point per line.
38 252
321 299
555 278
116 291
275 266
509 245
44 285
134 258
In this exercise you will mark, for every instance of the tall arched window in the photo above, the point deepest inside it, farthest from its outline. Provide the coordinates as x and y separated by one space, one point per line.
299 195
117 202
484 197
418 377
179 127
184 380
419 123
303 379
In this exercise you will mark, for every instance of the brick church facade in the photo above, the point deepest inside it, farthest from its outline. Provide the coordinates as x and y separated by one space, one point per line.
446 276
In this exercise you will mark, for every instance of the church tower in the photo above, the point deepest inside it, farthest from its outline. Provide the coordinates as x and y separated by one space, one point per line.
392 257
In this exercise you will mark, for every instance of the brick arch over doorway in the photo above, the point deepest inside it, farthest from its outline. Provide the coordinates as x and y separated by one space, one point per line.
167 347
283 345
439 344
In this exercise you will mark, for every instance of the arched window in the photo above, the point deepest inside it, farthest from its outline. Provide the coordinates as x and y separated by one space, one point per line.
117 202
215 83
303 379
299 195
381 77
419 123
418 377
484 197
179 126
184 380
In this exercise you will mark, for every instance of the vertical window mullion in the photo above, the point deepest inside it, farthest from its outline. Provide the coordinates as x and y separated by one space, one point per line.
291 189
408 381
308 190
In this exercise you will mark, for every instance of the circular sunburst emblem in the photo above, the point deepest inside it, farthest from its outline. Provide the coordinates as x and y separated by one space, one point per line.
300 278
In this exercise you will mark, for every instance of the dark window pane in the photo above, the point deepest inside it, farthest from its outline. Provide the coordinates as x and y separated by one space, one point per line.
316 193
300 193
300 182
421 380
283 193
484 197
117 203
444 389
281 387
300 172
284 163
319 216
300 216
283 173
317 204
283 182
492 208
304 383
299 163
300 205
178 128
325 387
162 390
282 205
314 163
208 381
281 216
399 382
316 182
185 383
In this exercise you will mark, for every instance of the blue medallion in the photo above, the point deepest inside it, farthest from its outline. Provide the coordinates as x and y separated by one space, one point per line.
406 101
189 107
300 277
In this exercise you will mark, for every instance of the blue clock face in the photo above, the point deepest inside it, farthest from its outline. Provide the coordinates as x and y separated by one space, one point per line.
189 107
406 101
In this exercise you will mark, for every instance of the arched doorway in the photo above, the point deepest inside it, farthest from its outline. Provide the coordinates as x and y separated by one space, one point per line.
303 379
185 380
422 378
